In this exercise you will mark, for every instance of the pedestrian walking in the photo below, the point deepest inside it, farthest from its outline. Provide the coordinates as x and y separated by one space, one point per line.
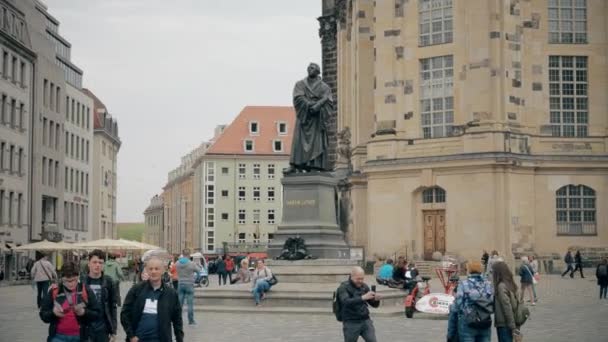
526 280
569 260
534 267
578 262
505 303
474 306
221 270
151 308
355 297
485 258
602 277
104 328
262 280
185 273
494 258
43 273
112 269
229 268
69 307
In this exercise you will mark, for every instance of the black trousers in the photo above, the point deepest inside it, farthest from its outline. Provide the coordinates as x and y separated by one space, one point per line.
603 291
569 269
222 276
43 288
579 267
353 329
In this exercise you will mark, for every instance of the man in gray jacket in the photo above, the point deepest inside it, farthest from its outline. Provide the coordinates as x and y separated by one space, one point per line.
185 275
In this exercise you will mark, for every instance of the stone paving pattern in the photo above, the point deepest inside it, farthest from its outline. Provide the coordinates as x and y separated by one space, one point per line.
569 310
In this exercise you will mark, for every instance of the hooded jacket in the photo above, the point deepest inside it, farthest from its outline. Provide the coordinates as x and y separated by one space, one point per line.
113 270
185 271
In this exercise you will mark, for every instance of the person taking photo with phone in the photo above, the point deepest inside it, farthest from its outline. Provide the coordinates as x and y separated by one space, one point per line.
355 296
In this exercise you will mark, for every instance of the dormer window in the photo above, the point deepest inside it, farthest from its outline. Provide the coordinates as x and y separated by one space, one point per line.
248 145
254 128
277 146
282 128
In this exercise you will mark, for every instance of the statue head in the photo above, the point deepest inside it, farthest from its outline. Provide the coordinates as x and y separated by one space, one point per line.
314 70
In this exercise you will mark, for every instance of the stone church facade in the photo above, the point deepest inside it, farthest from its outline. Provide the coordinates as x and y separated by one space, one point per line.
473 124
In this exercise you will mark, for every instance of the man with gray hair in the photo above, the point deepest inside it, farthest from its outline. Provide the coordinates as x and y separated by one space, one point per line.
355 296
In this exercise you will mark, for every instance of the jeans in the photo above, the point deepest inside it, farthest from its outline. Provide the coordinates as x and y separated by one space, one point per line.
534 292
222 276
259 288
187 291
43 288
117 292
468 334
569 269
353 329
504 334
603 291
65 338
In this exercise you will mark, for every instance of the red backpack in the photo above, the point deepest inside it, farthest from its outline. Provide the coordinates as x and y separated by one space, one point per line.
84 294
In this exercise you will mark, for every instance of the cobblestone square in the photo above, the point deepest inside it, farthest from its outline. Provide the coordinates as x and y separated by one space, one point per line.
568 310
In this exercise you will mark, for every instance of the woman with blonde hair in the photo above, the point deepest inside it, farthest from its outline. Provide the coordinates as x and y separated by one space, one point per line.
243 275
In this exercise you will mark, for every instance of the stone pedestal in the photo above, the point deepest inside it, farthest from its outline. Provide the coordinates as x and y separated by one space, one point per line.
309 212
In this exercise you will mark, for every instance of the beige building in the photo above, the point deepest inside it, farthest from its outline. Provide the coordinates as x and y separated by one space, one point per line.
238 183
78 165
16 104
475 124
153 219
106 144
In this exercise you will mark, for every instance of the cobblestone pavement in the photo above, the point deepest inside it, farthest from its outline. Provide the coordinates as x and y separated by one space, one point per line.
569 310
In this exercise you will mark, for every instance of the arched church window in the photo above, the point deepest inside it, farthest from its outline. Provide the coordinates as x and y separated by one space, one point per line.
433 195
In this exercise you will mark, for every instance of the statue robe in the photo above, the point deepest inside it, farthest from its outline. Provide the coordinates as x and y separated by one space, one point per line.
310 143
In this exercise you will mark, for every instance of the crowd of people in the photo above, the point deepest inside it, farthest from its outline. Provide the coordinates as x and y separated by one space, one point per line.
80 302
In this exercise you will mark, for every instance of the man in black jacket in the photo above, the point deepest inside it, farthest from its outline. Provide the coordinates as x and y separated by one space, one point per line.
151 307
569 262
104 329
69 307
355 296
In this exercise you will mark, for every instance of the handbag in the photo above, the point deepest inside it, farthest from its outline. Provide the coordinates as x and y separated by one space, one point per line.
534 280
272 281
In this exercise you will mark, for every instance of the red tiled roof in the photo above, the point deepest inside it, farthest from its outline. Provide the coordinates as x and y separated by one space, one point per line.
97 118
267 117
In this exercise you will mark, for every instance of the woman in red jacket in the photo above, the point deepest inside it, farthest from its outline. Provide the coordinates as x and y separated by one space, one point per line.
229 267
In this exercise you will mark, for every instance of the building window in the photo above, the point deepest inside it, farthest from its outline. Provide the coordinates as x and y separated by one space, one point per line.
242 193
224 193
256 171
433 195
242 216
576 210
210 194
254 128
270 171
271 218
248 145
242 171
256 216
256 193
436 22
436 102
568 21
225 170
568 98
210 172
277 146
1 207
271 194
282 128
224 216
210 218
241 237
270 237
210 240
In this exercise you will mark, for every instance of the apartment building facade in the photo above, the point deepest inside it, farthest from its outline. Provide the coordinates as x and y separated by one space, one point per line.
153 219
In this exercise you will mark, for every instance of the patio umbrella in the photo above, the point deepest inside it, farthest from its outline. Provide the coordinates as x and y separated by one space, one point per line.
141 245
46 245
107 244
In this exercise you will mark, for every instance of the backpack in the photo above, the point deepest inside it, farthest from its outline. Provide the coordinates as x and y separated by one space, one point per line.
84 294
521 312
337 304
479 311
602 271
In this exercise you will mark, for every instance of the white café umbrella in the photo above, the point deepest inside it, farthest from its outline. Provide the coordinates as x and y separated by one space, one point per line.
46 245
107 244
141 245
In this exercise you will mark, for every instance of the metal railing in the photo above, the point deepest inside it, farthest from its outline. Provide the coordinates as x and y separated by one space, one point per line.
576 228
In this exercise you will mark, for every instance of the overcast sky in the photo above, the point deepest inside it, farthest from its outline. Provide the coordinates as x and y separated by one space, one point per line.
170 71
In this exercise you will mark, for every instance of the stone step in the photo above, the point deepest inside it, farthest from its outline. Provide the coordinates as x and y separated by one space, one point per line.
279 298
393 311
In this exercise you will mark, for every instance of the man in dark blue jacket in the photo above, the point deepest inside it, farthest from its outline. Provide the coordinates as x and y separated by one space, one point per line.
355 296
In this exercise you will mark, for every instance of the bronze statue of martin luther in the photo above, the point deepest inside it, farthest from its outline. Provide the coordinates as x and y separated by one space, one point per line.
313 105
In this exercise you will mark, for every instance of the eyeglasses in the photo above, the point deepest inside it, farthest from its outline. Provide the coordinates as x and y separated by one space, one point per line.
70 280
